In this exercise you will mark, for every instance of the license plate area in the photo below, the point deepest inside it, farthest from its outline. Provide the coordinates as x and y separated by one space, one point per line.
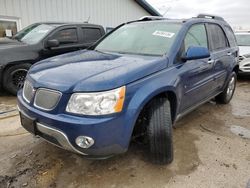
28 123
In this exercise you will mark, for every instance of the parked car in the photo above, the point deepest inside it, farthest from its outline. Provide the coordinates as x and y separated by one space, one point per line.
243 41
40 41
138 80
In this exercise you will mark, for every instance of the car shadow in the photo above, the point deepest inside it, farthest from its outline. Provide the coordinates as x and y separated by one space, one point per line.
243 78
5 94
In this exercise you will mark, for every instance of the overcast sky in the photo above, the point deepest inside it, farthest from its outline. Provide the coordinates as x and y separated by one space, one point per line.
236 12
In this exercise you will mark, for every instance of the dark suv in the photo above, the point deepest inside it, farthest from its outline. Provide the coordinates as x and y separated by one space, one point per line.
138 80
40 41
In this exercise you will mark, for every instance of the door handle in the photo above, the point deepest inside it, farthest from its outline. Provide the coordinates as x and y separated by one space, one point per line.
211 61
229 53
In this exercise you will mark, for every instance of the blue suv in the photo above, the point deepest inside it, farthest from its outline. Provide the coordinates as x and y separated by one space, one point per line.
137 80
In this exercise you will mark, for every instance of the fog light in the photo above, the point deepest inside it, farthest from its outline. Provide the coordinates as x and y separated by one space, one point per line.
84 141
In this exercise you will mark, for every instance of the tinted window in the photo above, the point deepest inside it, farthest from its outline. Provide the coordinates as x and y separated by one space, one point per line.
196 36
231 36
91 34
218 37
66 36
146 38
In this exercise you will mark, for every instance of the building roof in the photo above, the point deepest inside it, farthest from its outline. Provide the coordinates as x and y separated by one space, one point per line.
151 10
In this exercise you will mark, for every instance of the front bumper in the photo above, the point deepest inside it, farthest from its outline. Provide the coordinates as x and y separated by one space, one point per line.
111 134
244 66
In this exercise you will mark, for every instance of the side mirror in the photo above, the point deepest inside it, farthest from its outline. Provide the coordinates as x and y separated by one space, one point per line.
52 43
196 53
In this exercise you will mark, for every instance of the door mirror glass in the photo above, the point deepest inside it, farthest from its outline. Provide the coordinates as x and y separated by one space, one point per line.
53 43
196 53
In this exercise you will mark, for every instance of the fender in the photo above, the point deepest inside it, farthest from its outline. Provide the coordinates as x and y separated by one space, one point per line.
142 91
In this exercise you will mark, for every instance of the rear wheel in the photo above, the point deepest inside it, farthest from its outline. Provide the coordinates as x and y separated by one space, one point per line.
226 96
159 131
14 77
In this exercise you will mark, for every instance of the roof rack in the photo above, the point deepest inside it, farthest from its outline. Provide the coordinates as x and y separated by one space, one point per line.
147 18
209 16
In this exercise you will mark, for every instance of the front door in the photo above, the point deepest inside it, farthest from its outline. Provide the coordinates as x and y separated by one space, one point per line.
68 42
197 78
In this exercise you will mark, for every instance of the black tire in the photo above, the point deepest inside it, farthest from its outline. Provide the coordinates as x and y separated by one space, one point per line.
14 77
226 96
159 131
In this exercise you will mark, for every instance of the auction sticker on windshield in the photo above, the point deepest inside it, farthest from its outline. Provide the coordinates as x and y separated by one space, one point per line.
163 34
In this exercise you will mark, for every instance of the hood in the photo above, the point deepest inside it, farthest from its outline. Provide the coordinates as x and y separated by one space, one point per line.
93 71
244 50
8 41
17 52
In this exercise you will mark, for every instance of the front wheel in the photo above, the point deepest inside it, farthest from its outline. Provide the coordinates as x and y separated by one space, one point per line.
14 77
159 131
226 96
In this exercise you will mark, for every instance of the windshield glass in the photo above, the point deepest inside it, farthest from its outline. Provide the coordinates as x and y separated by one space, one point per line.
24 31
35 33
243 39
146 38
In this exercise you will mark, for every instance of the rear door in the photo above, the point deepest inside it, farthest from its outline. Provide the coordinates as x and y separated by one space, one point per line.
198 74
221 54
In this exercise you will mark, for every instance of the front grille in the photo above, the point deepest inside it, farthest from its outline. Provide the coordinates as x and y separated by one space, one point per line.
28 91
247 65
46 99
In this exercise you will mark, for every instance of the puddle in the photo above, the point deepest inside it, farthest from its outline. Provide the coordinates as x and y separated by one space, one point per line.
240 131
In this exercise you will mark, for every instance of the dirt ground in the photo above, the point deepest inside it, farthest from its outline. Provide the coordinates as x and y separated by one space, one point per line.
212 149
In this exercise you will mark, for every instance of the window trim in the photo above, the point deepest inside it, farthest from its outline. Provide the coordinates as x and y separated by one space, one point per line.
89 27
211 41
204 24
50 35
182 46
231 30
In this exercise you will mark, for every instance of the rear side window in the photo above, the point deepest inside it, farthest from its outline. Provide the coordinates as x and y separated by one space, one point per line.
66 36
231 36
91 34
196 36
218 38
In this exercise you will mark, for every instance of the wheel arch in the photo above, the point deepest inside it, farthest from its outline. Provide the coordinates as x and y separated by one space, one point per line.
168 92
236 69
10 64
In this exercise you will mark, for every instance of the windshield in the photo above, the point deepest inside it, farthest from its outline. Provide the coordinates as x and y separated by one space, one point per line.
146 38
24 31
243 39
34 33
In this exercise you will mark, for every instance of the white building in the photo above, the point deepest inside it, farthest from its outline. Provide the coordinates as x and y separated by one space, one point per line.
17 14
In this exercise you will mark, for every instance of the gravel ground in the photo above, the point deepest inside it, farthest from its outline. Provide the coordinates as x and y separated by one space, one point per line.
212 149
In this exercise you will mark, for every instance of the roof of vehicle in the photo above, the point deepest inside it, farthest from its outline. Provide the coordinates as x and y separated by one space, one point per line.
68 23
200 17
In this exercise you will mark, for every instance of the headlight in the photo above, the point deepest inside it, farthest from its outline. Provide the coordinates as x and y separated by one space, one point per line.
100 103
